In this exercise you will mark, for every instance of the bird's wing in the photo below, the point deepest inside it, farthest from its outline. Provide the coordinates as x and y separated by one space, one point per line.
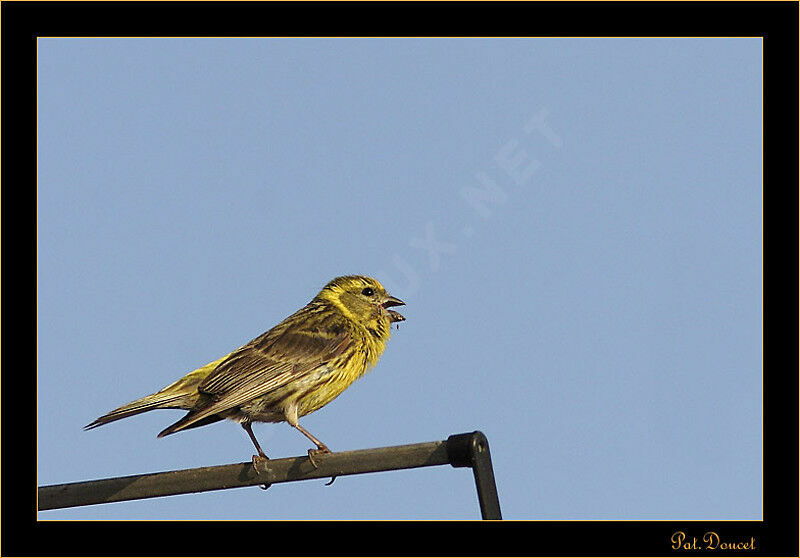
266 363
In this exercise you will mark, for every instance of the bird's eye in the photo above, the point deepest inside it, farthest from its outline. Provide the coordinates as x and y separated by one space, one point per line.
368 292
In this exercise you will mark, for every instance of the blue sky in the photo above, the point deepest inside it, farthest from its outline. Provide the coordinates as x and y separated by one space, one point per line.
575 226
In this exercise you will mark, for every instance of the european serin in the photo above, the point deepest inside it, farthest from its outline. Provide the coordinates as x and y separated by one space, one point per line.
292 370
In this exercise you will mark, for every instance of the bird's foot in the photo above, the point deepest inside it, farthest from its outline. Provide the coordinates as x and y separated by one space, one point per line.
259 461
321 449
312 452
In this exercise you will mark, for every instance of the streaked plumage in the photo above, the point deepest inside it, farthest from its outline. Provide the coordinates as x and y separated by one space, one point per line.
293 369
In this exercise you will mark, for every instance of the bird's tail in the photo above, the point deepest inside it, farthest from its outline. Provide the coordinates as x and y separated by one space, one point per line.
147 403
182 394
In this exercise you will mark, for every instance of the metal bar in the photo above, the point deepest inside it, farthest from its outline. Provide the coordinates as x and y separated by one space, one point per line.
484 478
290 469
472 450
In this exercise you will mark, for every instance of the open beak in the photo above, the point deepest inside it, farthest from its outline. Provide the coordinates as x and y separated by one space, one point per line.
393 301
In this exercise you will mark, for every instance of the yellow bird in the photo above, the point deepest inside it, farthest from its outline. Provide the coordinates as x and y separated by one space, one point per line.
295 368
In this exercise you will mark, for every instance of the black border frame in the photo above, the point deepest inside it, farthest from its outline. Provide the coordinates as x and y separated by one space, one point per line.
23 22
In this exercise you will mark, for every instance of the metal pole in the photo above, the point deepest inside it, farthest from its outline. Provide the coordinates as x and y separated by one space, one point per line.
290 469
472 450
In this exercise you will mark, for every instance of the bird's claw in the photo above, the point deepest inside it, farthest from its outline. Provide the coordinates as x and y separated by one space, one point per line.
258 462
319 450
313 452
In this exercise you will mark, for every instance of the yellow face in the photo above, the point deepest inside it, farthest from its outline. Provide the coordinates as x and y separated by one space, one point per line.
362 299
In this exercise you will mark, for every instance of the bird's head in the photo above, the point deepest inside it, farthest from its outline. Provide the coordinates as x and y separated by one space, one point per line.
362 299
